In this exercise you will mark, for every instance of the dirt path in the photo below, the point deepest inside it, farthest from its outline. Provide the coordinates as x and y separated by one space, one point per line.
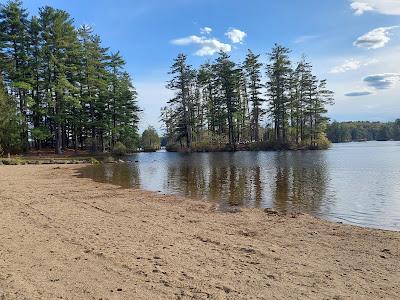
64 237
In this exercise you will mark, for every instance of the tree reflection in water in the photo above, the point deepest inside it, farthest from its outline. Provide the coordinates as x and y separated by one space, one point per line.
288 181
355 182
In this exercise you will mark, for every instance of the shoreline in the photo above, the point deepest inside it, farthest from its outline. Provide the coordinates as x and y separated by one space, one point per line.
76 238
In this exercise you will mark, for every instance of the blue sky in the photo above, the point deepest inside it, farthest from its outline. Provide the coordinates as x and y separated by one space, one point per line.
355 44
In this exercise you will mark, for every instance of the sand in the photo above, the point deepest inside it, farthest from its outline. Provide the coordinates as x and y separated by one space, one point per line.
64 237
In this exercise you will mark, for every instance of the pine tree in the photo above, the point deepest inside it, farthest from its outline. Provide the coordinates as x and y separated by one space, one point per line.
252 67
126 112
278 72
93 83
182 82
67 88
10 129
217 102
14 40
226 74
60 49
115 71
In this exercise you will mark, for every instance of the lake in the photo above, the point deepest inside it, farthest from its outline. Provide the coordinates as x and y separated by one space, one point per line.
356 183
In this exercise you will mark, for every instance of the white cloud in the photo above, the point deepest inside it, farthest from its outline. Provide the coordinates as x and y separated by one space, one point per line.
235 35
361 7
386 7
382 81
351 107
348 65
208 46
304 39
205 30
375 39
351 65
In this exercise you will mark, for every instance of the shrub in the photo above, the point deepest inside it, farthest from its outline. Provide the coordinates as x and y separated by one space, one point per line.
323 142
150 140
94 161
119 149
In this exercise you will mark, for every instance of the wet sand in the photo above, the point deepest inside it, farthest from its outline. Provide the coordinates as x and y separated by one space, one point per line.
64 237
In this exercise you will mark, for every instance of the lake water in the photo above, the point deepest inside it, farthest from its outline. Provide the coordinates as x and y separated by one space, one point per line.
356 183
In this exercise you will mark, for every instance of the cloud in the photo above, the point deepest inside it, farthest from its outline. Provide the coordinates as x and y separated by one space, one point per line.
375 39
304 39
351 65
348 65
361 7
205 30
208 46
235 35
382 81
386 7
358 94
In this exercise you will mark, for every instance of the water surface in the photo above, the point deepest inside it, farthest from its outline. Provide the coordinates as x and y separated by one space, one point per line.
357 183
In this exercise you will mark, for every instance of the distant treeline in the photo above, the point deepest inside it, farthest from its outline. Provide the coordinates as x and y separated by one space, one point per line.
339 132
222 104
59 87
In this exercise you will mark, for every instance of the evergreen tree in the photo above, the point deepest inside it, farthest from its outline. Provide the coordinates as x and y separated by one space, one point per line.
10 129
226 74
217 104
278 72
252 68
93 84
116 65
150 140
14 41
67 88
182 83
126 112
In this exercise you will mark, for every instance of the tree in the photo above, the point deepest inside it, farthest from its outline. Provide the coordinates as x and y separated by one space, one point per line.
226 73
150 140
68 89
14 41
278 73
252 67
10 129
339 132
126 112
93 83
220 105
182 83
115 71
60 48
322 98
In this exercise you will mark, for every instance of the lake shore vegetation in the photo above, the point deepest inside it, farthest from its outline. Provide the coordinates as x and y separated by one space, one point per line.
62 88
342 132
222 104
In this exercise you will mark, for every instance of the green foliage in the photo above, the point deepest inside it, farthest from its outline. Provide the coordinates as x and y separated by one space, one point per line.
40 133
252 68
339 132
221 105
67 90
94 161
322 141
10 130
119 149
150 140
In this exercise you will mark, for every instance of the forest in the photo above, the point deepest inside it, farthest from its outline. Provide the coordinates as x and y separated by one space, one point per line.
341 132
60 87
227 105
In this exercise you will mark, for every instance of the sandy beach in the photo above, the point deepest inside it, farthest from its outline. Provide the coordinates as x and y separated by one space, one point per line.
64 237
